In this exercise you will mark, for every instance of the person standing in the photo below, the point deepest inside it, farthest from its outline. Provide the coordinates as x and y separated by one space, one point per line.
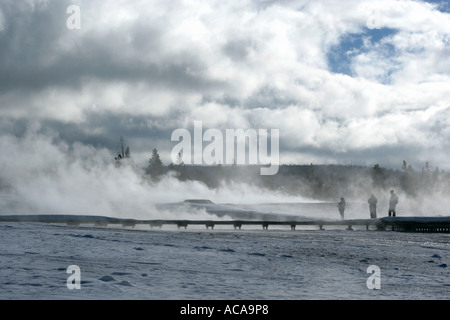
392 203
373 206
341 207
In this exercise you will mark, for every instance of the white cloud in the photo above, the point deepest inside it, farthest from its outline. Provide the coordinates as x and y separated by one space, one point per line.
236 64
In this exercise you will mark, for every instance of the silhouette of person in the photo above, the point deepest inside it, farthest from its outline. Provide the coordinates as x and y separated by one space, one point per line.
372 206
393 200
341 207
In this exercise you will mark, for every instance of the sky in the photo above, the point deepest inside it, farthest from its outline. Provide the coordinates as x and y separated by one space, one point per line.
344 82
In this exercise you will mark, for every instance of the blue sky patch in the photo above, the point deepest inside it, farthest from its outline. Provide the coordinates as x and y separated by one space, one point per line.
340 55
443 6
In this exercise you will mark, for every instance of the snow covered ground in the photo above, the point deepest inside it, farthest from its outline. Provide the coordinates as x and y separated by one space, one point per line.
220 264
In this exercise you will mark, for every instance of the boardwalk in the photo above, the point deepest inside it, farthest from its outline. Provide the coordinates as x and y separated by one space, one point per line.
408 224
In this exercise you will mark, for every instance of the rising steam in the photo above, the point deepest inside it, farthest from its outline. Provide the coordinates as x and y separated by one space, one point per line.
42 175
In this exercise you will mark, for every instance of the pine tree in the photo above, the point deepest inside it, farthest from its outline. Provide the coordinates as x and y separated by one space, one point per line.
122 152
155 166
379 176
182 172
408 180
122 147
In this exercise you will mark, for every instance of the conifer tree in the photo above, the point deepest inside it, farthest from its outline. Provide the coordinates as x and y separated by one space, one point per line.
155 166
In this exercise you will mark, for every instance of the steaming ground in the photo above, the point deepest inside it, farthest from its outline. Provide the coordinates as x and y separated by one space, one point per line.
43 175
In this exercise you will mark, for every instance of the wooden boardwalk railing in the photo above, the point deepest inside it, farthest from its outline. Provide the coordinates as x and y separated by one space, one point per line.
409 224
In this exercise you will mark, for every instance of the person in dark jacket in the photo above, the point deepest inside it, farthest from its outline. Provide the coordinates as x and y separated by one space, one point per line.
373 206
341 207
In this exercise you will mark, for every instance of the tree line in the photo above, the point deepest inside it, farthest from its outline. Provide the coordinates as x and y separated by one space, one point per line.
315 181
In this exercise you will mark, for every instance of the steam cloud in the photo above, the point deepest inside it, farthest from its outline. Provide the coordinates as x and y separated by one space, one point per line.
43 175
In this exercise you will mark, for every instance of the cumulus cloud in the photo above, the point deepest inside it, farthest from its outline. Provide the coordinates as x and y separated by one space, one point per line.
273 64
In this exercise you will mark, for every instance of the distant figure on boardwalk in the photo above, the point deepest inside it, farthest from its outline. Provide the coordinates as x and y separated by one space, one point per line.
392 203
372 206
341 206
